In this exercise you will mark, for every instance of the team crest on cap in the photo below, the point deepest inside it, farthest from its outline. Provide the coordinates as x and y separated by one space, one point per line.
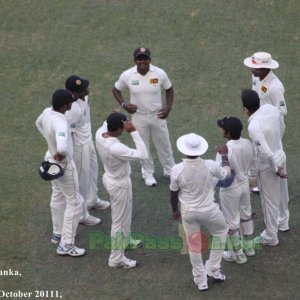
264 89
142 49
78 82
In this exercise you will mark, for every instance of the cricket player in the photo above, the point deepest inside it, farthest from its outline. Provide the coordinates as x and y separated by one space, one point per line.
271 91
264 131
66 201
235 198
84 150
193 184
116 158
145 82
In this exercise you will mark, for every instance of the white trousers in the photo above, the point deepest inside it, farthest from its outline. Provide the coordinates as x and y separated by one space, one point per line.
283 218
121 215
149 127
236 207
268 183
215 223
66 204
85 159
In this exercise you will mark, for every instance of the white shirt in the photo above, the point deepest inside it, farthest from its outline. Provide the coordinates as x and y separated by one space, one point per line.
145 90
270 91
80 122
264 131
54 128
116 156
241 157
195 179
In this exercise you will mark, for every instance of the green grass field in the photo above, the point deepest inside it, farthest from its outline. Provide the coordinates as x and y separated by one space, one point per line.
201 45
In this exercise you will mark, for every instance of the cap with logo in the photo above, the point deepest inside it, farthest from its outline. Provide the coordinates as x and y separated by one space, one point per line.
231 124
261 60
76 84
141 52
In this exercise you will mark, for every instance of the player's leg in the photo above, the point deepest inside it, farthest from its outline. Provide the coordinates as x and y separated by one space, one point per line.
193 234
268 183
161 140
216 224
283 218
141 122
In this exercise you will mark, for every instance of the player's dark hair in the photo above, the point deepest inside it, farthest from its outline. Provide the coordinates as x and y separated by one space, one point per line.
115 121
61 98
250 100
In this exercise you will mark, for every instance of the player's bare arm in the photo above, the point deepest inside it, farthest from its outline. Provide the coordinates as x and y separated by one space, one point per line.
130 108
164 112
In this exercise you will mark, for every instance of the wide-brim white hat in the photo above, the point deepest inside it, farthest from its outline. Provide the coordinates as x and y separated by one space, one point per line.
261 60
192 144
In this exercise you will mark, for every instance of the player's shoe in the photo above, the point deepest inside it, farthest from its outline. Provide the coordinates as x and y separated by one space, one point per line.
55 238
71 250
255 191
100 205
260 240
201 283
90 221
134 244
249 252
217 275
150 180
238 257
126 263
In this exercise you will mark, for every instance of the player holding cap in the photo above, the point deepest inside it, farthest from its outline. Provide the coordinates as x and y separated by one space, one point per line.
235 198
193 184
116 158
145 83
66 202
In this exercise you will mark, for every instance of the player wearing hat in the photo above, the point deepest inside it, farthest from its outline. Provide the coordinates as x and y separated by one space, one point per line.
116 158
145 83
270 91
66 202
264 131
235 198
84 150
193 184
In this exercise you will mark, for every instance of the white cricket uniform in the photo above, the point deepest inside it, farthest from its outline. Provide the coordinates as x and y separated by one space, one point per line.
66 202
195 180
235 199
84 155
271 91
116 158
145 93
264 131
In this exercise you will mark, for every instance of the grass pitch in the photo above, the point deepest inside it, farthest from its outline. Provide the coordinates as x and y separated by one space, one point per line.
201 45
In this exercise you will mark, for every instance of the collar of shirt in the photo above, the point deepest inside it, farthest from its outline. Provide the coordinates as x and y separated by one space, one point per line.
268 78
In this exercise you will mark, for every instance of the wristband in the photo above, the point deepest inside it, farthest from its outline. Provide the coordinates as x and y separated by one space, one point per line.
123 103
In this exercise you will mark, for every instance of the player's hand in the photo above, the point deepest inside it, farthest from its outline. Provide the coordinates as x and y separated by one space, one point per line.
59 157
130 108
176 216
163 113
222 149
128 126
281 174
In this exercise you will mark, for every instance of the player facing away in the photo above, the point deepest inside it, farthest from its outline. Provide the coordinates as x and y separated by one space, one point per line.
66 202
116 158
84 153
193 184
235 197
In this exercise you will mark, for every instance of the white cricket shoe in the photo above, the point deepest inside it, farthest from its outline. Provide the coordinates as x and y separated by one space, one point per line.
71 250
217 275
126 263
239 257
249 252
100 205
90 221
150 180
201 283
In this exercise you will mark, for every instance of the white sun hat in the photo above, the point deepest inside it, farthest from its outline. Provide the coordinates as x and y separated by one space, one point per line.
261 60
192 144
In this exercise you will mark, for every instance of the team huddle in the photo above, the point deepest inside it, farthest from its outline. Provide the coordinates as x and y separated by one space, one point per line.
71 165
